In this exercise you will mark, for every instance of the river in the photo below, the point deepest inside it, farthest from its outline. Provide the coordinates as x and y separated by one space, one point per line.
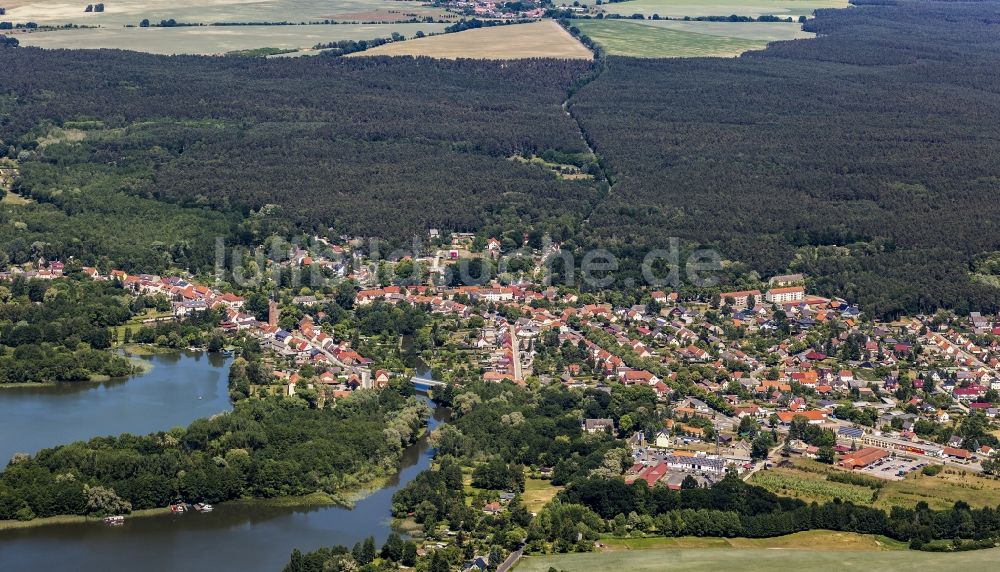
243 537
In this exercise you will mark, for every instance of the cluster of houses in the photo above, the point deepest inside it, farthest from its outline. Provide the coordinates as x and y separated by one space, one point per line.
340 369
796 376
677 333
42 270
499 10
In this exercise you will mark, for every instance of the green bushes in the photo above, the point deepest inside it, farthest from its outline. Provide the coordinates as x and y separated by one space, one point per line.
855 479
932 470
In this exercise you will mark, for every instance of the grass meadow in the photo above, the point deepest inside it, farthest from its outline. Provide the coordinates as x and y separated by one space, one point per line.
806 480
762 559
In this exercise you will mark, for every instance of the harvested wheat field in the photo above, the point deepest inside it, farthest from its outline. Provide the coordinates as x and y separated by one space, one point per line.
544 39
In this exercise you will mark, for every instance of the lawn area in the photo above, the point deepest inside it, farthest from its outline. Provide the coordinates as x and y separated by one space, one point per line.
693 8
806 480
538 492
544 39
637 39
811 540
761 560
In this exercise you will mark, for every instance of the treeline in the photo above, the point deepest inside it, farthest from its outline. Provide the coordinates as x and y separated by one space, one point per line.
584 38
58 330
734 508
263 448
344 47
856 157
475 23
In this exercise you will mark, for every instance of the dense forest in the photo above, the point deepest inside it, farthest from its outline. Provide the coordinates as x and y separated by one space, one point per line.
360 145
865 157
263 448
59 330
83 212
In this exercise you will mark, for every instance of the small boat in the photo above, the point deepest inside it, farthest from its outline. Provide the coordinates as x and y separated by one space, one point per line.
114 520
178 508
203 507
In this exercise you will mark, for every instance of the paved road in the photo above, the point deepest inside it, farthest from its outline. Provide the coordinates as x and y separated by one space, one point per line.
511 560
515 346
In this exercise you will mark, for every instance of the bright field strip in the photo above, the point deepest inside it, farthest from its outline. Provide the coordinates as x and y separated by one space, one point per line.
544 39
209 40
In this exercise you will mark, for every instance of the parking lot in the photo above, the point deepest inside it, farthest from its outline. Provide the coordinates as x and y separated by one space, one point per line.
894 468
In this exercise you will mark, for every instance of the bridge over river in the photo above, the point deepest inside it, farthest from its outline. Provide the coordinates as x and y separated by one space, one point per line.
425 383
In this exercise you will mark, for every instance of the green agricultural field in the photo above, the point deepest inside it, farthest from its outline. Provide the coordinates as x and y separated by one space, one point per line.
693 8
633 38
769 31
808 540
810 487
761 560
210 40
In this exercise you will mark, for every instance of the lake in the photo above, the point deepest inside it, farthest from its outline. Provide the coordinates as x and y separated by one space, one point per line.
180 388
234 537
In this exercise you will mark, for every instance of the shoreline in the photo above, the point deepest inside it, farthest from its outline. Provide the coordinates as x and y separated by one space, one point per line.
345 499
318 499
75 519
141 366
